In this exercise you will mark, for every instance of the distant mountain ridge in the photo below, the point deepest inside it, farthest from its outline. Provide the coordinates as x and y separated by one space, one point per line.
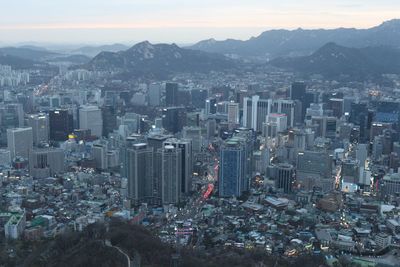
159 60
92 51
28 53
333 61
277 43
24 57
16 62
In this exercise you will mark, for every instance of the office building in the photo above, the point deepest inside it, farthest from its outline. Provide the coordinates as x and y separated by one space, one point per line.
337 107
211 125
211 106
283 106
20 142
184 98
232 169
46 162
324 126
199 97
109 117
99 153
298 92
314 170
171 94
154 94
174 119
5 157
377 128
15 226
284 177
140 173
383 240
170 175
61 124
156 141
255 111
233 113
185 147
391 185
279 119
195 135
11 116
362 154
90 118
387 112
350 171
359 116
40 128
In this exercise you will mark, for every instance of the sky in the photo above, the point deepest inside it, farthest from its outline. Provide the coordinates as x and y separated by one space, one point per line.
178 21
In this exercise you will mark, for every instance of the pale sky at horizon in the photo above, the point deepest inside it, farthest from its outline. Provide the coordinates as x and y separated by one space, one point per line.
179 21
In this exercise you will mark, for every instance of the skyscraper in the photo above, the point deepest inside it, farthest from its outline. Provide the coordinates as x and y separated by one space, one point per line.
90 118
231 169
314 169
170 160
199 97
140 172
298 92
211 128
285 107
362 154
255 111
11 116
174 118
109 118
194 134
359 117
99 153
61 124
154 94
280 120
40 127
171 94
233 113
186 162
20 142
156 141
211 106
284 177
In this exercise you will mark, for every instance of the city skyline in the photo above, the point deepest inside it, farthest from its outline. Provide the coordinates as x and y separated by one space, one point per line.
99 22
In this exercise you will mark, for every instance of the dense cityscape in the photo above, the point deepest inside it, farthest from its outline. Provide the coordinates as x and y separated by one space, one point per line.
160 155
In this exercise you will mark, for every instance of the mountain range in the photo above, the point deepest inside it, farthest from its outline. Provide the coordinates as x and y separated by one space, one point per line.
24 57
29 53
334 61
159 60
92 51
16 62
356 53
276 43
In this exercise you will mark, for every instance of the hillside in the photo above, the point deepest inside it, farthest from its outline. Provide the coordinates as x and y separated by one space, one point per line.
333 61
88 249
159 60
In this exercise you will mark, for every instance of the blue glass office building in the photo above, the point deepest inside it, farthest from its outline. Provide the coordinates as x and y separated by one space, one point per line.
232 174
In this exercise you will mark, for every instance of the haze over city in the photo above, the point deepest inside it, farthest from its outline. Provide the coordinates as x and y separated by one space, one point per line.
179 21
